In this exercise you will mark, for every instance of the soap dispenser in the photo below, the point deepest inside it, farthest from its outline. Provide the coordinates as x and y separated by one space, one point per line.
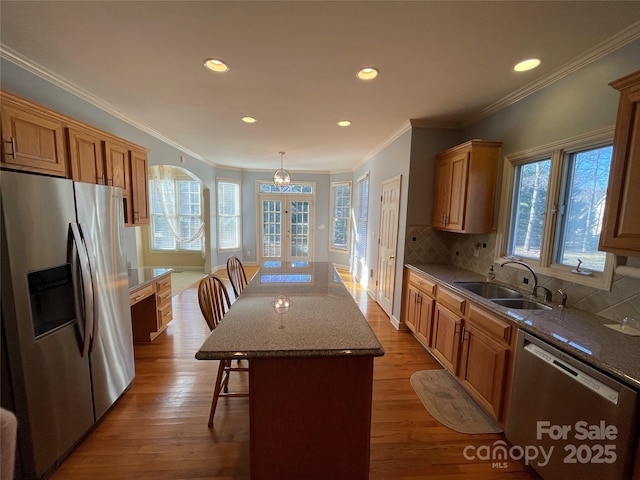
491 274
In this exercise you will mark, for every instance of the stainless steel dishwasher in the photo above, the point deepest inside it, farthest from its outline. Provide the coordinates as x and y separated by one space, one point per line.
566 419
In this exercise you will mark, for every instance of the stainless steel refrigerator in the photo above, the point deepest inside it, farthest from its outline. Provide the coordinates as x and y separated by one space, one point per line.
67 345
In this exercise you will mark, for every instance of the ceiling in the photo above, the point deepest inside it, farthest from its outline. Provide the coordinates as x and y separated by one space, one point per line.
293 65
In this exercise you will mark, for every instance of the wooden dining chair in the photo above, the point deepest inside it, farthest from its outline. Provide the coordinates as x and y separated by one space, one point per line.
214 303
237 275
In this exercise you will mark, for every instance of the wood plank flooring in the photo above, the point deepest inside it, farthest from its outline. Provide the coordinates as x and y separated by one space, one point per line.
158 429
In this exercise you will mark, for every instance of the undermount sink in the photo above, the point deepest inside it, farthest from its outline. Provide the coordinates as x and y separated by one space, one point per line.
490 290
520 304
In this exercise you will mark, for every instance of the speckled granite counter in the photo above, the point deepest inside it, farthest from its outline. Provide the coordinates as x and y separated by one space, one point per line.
578 333
323 319
139 277
310 372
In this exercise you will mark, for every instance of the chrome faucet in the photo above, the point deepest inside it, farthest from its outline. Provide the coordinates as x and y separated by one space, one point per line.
548 296
563 300
534 289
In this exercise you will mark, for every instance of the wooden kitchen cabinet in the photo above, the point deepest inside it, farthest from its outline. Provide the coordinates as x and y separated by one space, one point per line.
621 229
445 345
163 301
32 137
485 359
85 155
151 309
475 345
139 187
118 171
465 187
419 301
450 309
39 140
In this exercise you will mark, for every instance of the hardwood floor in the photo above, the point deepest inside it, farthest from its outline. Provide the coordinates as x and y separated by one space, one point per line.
158 429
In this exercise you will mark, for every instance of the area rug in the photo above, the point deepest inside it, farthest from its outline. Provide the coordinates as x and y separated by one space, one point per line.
447 402
183 279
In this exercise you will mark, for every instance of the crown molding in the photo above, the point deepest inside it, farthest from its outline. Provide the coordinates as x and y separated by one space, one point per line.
47 75
427 123
397 134
622 38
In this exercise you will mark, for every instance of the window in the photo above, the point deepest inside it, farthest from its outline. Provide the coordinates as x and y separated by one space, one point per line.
340 215
362 217
176 215
229 218
554 207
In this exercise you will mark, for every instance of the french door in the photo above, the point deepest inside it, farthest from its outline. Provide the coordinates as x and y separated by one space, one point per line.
286 228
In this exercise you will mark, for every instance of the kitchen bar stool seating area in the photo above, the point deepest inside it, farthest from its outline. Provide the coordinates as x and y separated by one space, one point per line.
237 275
214 303
311 372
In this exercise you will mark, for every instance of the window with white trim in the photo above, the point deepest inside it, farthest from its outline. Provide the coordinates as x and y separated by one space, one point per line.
362 217
176 214
552 209
229 214
340 215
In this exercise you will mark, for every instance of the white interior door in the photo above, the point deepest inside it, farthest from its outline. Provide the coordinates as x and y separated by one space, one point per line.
388 228
286 228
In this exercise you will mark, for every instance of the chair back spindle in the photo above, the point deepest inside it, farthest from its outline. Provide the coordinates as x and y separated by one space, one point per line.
237 275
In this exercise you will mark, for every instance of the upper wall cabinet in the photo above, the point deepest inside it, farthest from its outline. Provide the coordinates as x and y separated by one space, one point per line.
85 155
465 187
621 228
32 138
139 187
39 140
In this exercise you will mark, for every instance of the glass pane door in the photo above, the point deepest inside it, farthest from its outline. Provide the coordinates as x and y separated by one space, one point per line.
299 230
286 228
271 228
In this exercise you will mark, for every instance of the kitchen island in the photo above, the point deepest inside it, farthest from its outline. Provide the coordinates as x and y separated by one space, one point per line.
311 371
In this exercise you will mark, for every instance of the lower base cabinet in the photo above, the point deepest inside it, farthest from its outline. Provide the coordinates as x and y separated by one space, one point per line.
475 345
483 368
151 309
446 338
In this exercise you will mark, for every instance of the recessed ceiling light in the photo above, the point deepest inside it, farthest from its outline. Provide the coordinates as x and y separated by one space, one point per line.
528 64
216 65
367 73
344 123
248 119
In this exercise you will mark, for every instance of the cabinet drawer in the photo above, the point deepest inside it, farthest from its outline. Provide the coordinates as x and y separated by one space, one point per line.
165 315
163 283
423 284
451 300
494 327
163 298
141 293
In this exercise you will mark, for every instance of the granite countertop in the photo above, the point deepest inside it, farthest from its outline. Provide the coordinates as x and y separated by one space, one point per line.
322 321
580 334
139 277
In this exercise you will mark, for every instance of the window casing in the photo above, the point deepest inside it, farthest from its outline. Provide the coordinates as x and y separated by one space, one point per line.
185 212
552 206
229 218
340 216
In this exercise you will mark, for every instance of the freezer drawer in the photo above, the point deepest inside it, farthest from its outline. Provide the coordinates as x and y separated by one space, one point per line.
579 422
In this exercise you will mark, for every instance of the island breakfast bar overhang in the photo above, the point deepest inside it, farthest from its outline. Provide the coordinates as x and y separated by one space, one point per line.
311 371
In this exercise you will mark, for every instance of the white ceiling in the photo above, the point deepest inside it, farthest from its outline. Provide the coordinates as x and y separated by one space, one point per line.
293 65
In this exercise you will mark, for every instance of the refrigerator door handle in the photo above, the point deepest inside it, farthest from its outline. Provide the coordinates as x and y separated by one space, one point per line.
94 281
87 287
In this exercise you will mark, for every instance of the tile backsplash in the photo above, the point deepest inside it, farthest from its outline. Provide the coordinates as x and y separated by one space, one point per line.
425 245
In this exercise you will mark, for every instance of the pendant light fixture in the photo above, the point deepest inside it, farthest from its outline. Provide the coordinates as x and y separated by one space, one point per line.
281 178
